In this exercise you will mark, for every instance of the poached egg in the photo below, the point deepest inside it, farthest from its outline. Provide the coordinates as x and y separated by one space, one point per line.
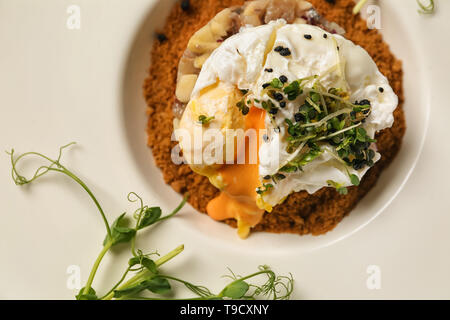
239 69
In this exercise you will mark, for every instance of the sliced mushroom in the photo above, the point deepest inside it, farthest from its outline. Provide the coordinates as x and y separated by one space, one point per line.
227 23
254 12
208 38
281 9
185 86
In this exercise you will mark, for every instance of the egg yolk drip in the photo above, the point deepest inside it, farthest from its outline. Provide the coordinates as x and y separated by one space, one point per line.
238 198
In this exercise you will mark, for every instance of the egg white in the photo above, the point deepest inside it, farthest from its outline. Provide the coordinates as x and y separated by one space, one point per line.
241 62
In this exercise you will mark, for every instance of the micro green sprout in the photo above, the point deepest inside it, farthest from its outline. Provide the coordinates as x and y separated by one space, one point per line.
204 120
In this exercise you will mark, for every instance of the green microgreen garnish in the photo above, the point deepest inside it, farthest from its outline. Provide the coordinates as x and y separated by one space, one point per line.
264 188
277 177
243 107
245 103
147 276
204 119
324 117
354 179
293 90
275 83
339 187
268 105
310 152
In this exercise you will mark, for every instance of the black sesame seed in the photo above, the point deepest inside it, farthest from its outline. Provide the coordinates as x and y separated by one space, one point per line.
267 177
265 85
270 70
185 5
273 111
245 110
283 79
285 52
325 35
381 89
265 138
161 37
278 96
278 49
308 36
338 48
283 104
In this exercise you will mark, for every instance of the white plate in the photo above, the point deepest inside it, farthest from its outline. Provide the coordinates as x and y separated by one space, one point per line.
59 85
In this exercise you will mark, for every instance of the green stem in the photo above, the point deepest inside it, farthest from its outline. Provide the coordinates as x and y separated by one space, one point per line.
86 188
175 211
57 167
337 133
172 254
145 273
18 179
94 269
133 246
117 284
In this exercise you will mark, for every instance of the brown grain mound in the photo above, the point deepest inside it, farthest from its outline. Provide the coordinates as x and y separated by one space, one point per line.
301 213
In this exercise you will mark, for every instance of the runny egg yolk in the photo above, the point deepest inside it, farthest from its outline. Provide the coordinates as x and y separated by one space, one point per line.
238 198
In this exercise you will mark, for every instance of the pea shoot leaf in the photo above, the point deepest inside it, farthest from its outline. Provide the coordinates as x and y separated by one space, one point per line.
130 291
134 261
120 233
91 295
236 290
150 265
150 216
158 285
146 262
276 83
354 179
